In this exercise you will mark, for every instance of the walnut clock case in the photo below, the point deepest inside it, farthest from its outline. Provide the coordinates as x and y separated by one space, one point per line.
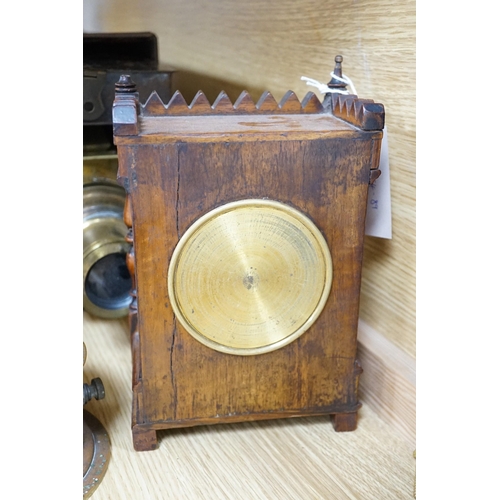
247 224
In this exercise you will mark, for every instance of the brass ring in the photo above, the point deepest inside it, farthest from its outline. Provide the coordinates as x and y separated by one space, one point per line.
249 277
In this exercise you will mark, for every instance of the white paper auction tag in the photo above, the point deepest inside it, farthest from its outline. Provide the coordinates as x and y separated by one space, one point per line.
378 211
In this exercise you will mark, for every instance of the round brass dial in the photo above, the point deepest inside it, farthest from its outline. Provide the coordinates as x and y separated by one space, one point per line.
250 276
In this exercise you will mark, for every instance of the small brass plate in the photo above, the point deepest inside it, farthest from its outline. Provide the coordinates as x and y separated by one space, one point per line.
250 276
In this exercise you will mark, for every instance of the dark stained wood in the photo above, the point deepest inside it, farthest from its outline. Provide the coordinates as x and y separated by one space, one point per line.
238 417
154 105
311 103
245 103
345 422
144 439
374 175
290 103
125 115
177 168
200 104
177 105
223 104
127 213
267 103
363 113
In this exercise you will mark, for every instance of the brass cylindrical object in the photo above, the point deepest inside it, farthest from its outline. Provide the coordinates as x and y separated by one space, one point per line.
106 279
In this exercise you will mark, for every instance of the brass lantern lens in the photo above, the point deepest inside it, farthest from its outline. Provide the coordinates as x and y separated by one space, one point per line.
106 280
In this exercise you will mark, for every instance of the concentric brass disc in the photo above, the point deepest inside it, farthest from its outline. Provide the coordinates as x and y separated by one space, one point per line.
250 276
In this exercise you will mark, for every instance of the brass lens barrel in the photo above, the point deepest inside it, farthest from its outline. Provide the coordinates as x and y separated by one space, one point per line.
106 279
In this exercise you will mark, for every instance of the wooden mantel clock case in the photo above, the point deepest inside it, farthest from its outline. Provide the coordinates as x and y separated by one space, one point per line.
247 224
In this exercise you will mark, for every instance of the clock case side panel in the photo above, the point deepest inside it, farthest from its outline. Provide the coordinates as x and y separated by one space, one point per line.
149 175
186 382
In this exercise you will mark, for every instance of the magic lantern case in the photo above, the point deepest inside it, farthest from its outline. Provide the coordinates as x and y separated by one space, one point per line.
247 225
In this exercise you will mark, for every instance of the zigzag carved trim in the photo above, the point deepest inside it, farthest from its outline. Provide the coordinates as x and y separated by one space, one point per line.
200 105
362 113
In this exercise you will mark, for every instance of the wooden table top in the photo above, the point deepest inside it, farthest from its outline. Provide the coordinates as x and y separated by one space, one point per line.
298 458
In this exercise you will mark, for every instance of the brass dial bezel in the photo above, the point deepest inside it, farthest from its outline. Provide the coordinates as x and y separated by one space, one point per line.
290 212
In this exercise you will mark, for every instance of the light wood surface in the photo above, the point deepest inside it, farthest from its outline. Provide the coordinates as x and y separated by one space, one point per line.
236 45
233 45
299 458
388 383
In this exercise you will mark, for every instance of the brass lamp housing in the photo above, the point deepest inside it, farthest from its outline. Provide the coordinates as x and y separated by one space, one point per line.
103 236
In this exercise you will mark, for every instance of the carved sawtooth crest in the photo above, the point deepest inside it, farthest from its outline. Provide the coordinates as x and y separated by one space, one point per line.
200 105
363 113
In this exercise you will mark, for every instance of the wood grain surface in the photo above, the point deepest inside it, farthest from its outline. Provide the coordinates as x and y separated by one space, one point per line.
172 176
388 383
301 458
237 45
234 45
